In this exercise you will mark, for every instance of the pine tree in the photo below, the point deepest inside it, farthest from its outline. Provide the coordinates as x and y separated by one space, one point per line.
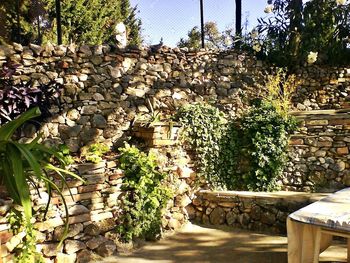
83 21
17 20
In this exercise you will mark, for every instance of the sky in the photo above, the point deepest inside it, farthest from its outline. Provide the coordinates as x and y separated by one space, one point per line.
172 19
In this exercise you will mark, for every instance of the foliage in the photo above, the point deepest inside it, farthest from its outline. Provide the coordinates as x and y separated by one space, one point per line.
280 89
64 153
16 99
248 154
132 23
265 132
294 29
145 195
27 248
94 152
30 12
213 37
204 129
25 164
83 21
93 22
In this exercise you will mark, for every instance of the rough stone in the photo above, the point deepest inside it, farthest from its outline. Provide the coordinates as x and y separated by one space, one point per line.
74 230
65 258
72 246
87 256
106 249
95 242
217 217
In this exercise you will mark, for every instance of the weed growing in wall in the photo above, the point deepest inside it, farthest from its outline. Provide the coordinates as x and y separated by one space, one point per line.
26 250
94 152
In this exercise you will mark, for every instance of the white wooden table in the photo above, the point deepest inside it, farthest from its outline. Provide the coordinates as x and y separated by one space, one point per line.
311 229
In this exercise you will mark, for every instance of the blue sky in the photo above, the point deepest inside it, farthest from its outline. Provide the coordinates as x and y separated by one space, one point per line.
172 19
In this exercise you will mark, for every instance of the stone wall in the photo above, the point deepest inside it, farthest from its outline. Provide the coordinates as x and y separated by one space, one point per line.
105 89
94 205
319 152
265 212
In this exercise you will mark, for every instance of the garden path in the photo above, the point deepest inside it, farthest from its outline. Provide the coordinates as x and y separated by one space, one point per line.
202 244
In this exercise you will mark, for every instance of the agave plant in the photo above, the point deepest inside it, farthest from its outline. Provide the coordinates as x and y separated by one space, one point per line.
26 164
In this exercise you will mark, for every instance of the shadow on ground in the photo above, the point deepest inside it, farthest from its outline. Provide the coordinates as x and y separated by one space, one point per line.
202 244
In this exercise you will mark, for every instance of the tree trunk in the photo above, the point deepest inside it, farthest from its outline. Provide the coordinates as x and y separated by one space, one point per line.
296 9
238 17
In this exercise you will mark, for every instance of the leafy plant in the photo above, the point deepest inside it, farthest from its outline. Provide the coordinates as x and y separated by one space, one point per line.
265 132
246 154
204 129
26 164
295 28
280 89
94 152
145 195
16 99
27 252
64 153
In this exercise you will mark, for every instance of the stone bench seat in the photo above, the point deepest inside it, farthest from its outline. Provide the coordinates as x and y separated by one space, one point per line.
258 211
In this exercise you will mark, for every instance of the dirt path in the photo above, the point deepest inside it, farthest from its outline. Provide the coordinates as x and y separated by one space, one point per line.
202 244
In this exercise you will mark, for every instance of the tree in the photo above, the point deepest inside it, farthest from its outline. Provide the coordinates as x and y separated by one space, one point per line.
214 39
83 21
295 29
17 20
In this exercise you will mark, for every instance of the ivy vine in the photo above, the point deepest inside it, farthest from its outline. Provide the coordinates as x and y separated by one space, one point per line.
266 134
246 154
205 127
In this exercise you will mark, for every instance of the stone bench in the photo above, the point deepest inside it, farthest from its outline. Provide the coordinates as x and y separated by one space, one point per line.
258 211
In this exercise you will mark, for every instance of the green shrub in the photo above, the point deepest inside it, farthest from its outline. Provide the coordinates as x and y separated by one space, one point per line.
265 132
145 195
246 154
204 129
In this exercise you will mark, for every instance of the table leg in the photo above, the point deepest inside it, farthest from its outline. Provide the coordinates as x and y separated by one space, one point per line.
348 240
317 244
302 239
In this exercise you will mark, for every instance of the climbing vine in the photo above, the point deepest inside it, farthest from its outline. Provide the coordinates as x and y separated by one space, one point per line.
265 132
245 154
204 130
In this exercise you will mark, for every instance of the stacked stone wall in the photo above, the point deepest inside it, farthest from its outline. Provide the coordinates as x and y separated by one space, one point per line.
319 152
106 89
265 212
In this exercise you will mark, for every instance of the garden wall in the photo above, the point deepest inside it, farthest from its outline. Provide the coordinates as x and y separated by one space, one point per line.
106 89
265 212
319 152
